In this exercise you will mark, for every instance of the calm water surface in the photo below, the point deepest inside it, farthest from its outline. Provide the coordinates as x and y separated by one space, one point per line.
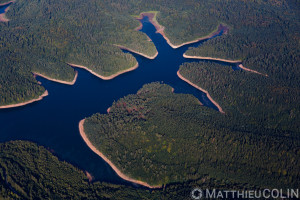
2 8
53 122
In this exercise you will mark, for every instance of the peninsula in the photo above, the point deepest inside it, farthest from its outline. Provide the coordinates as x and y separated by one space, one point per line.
239 62
105 77
94 149
57 80
146 56
27 102
161 29
201 89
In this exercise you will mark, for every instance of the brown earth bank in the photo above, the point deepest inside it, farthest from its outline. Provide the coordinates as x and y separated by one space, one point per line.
66 82
211 58
89 176
2 16
201 89
146 56
27 102
95 150
251 70
56 80
224 60
160 29
105 77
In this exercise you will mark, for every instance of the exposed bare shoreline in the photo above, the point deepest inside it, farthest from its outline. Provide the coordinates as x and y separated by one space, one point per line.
160 29
125 48
105 77
2 16
251 70
211 58
56 80
224 60
95 150
201 89
89 176
27 102
68 83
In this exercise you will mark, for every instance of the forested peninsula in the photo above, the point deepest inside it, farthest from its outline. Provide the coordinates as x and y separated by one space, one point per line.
152 15
160 137
29 171
44 36
148 134
259 134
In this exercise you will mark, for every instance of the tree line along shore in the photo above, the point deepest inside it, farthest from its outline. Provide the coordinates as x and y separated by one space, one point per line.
30 171
48 54
258 108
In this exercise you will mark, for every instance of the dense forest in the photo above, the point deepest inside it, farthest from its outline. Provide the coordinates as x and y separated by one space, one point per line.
29 171
252 101
155 135
263 35
45 35
161 137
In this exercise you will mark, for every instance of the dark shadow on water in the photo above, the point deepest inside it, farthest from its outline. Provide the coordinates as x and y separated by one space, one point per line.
53 122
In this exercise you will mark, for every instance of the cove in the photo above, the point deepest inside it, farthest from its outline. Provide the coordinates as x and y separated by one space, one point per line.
3 7
53 122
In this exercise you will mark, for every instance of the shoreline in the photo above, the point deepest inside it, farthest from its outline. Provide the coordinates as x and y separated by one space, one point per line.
105 77
160 29
95 150
201 89
211 58
239 62
3 18
89 176
141 54
27 102
56 80
251 70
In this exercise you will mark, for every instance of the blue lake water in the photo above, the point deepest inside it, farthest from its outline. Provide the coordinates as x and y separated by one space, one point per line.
53 122
3 8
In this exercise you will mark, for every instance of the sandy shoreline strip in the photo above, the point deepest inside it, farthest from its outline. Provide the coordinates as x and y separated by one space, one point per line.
27 102
94 149
201 89
125 48
211 58
224 60
4 4
105 77
89 176
251 70
2 16
56 80
160 29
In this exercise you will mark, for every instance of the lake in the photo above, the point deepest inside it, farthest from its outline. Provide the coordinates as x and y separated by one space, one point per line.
3 8
53 122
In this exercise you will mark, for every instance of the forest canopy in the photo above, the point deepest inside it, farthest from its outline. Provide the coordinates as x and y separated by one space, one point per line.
43 36
29 171
160 137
